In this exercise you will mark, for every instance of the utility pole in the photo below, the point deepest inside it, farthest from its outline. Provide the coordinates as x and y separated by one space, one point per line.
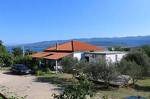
23 51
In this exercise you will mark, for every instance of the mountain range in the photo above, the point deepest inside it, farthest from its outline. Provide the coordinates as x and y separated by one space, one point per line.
133 41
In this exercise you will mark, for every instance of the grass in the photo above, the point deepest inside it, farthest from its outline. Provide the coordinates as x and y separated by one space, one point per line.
144 82
5 68
61 79
142 88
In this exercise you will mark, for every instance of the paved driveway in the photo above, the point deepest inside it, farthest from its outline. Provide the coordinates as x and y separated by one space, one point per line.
27 85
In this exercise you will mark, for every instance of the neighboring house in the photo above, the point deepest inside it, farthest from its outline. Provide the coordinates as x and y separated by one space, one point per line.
73 48
108 56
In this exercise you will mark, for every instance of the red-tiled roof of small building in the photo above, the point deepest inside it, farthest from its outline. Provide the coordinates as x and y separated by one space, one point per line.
41 54
50 55
75 46
57 56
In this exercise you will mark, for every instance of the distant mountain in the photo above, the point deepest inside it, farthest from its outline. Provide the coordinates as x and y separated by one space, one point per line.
104 42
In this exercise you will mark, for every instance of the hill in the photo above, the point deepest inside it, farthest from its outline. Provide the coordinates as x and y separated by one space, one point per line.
104 42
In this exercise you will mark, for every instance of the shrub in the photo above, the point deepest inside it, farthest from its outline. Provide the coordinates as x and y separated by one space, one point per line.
141 59
39 73
79 90
101 71
17 51
146 49
130 68
26 60
68 64
6 59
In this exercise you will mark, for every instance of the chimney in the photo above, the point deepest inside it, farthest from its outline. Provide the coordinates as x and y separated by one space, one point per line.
72 45
56 46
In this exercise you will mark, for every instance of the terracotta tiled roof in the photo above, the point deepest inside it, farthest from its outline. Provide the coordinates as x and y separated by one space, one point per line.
75 46
41 54
56 56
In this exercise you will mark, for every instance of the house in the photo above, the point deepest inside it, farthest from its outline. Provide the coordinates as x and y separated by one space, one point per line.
108 56
76 49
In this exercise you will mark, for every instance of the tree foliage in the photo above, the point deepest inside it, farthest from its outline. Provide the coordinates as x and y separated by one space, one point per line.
130 68
78 90
68 64
29 52
146 49
17 51
141 59
101 71
6 59
2 48
26 60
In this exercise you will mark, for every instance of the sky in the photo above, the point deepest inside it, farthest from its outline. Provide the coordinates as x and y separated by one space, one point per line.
28 21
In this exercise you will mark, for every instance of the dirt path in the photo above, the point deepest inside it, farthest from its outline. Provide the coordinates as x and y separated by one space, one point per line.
27 85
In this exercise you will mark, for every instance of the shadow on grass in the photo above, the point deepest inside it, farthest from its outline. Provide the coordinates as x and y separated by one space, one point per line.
142 88
60 82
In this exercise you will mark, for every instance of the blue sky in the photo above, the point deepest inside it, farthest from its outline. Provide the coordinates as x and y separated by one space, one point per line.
27 21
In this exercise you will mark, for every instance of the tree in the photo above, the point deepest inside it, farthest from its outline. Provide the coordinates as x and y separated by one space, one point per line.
26 60
68 64
6 59
146 49
101 71
130 68
2 48
140 58
1 42
17 51
29 52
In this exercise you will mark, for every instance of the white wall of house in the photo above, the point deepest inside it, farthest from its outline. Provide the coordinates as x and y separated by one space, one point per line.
108 56
77 55
114 57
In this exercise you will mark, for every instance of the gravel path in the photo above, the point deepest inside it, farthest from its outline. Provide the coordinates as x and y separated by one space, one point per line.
27 85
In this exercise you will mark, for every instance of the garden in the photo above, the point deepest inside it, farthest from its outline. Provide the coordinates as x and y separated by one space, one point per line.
84 80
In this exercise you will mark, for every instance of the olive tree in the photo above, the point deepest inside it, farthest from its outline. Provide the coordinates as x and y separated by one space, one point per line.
68 64
130 68
146 49
17 51
141 59
101 71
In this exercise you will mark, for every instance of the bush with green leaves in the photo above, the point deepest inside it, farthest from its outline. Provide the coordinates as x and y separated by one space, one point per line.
130 68
6 59
101 71
146 49
78 90
29 52
3 49
68 64
26 60
140 58
17 51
